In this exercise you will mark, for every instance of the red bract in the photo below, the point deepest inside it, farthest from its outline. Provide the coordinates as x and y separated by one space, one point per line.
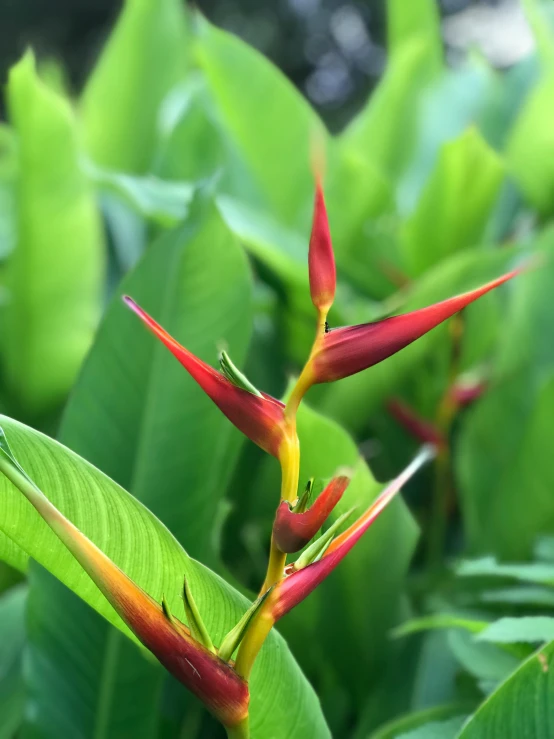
211 679
464 393
321 261
418 427
292 531
259 418
298 585
345 351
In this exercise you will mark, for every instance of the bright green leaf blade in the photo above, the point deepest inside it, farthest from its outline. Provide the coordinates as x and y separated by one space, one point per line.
448 729
420 20
535 572
530 152
139 544
456 202
267 118
385 131
55 272
527 629
439 621
145 56
521 706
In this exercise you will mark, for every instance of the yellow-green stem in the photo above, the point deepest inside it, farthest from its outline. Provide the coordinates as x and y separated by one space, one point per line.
253 642
290 468
240 731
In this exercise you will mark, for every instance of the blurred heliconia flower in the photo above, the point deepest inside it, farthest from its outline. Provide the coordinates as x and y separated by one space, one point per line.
300 583
293 530
211 679
345 351
418 427
259 416
464 392
321 260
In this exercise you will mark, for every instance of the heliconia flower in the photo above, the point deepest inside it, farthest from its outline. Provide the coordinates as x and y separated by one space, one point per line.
211 679
259 417
418 427
345 351
321 260
292 531
463 392
299 584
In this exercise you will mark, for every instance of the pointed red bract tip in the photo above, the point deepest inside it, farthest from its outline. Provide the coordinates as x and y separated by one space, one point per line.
418 427
292 531
295 587
259 418
346 351
321 260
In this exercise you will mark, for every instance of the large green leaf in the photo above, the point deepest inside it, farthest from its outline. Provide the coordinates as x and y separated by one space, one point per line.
531 144
145 56
504 442
521 706
137 415
354 609
455 204
54 274
282 701
385 131
269 121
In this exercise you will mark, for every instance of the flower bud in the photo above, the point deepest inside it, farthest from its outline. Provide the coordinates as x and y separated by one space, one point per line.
292 531
321 260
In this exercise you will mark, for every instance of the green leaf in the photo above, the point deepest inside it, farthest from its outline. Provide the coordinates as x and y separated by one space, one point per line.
521 706
356 602
488 663
437 716
136 414
54 275
530 152
161 201
448 729
440 621
536 572
385 130
145 56
456 202
147 552
12 640
269 121
510 630
418 20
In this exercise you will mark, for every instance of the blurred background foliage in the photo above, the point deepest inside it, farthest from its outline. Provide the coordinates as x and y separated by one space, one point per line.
162 156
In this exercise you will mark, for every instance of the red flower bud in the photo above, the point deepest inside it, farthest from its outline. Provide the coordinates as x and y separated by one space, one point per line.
260 418
418 427
321 261
298 585
346 351
292 531
463 393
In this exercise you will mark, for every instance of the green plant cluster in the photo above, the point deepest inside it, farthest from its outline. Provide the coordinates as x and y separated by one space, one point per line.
181 176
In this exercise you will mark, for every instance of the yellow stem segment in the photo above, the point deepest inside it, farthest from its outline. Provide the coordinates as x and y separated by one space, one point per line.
240 731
